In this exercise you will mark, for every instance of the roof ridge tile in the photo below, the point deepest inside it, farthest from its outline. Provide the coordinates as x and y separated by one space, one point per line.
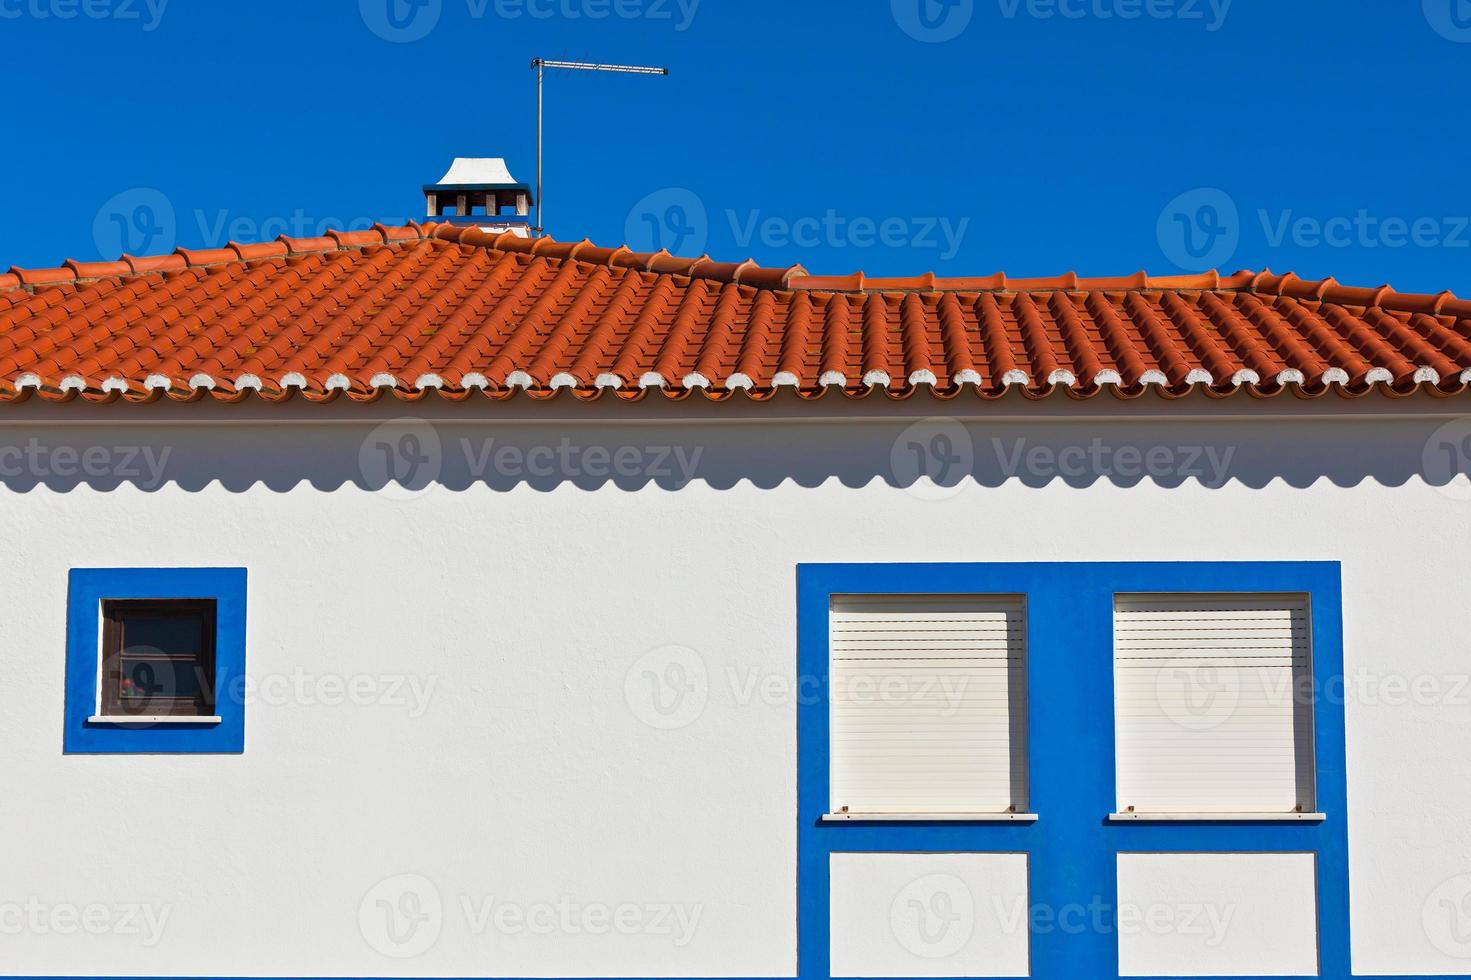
252 251
144 264
97 270
299 246
43 277
358 239
412 231
207 256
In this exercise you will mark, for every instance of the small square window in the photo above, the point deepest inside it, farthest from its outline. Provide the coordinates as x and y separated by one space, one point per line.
155 661
158 657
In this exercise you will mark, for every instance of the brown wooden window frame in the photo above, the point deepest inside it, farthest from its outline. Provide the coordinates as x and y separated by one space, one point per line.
113 611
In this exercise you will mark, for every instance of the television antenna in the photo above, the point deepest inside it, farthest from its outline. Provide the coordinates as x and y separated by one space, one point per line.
542 65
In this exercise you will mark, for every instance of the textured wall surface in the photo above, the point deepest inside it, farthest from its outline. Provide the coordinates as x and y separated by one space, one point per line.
515 720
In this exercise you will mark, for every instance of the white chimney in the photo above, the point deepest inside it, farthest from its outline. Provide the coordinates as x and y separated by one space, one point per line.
480 191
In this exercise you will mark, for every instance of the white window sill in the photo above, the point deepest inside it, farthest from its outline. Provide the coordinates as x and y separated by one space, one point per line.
930 817
155 720
1217 817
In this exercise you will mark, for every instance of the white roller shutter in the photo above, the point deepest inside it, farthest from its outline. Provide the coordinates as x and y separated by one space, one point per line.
1213 703
928 704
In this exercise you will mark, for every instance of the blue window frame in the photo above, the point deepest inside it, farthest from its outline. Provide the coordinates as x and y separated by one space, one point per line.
1072 849
87 589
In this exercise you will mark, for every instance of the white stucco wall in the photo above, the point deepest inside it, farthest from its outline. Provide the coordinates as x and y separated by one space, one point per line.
493 630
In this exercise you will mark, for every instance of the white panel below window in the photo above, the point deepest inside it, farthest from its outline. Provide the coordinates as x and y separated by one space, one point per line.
929 915
1217 915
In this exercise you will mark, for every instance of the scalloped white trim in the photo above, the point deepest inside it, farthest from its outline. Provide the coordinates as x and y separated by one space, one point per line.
519 379
651 379
1292 376
696 380
743 382
115 384
923 378
1332 376
27 380
474 379
73 382
428 381
833 378
1427 375
248 381
1015 377
1199 377
338 382
293 379
968 377
202 380
157 382
1466 377
1107 377
1377 375
1061 377
1246 376
1153 377
383 380
877 379
608 381
784 379
563 380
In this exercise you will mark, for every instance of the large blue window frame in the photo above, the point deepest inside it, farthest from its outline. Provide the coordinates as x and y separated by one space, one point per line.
1072 848
86 590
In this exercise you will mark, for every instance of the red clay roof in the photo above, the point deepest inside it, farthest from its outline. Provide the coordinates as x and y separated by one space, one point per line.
436 308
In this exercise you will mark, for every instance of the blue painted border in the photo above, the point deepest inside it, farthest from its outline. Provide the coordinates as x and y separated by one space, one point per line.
1072 848
87 587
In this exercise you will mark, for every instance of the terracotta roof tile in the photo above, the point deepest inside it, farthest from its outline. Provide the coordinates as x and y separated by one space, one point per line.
402 310
272 250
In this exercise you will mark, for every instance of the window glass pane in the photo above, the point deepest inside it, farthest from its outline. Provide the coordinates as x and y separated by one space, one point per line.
181 635
146 679
159 657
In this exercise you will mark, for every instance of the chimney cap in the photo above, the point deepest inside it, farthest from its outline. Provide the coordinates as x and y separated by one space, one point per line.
477 174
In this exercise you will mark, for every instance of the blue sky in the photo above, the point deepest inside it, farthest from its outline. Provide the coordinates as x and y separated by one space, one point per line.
892 136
